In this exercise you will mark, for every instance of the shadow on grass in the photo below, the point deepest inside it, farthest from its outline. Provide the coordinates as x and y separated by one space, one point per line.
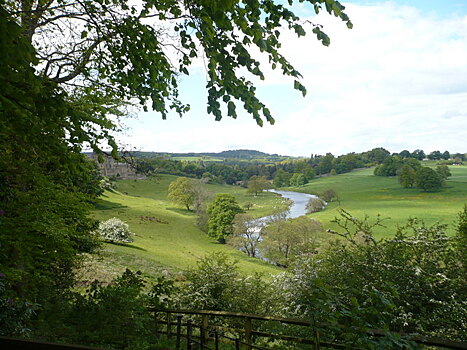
103 204
125 245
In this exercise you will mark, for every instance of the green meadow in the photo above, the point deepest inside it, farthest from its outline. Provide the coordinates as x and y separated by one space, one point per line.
166 234
361 193
167 237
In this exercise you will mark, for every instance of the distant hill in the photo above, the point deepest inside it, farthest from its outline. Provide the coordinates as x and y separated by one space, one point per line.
240 154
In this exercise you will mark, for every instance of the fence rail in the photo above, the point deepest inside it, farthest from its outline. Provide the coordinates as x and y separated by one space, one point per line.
210 332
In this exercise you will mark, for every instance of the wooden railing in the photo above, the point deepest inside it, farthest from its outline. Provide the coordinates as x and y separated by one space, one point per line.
179 324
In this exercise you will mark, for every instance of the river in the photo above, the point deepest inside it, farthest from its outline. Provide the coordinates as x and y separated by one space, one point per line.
297 208
299 202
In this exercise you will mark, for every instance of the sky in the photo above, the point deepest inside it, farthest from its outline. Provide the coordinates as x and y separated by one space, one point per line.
397 80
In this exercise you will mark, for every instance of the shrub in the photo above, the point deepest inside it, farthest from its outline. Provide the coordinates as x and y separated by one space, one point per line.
314 205
115 230
328 195
111 316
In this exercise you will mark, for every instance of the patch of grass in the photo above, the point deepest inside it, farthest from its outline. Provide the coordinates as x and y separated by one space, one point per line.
360 193
263 204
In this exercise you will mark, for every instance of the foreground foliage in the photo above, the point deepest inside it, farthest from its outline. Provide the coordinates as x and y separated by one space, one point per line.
413 282
46 185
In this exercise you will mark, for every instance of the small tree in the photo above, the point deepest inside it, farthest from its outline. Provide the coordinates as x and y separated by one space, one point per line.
221 214
182 191
281 178
443 171
406 176
258 184
246 234
248 205
314 205
328 195
285 240
115 230
427 179
298 179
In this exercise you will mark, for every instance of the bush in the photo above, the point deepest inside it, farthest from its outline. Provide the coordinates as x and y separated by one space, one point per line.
328 195
111 316
412 283
314 205
115 230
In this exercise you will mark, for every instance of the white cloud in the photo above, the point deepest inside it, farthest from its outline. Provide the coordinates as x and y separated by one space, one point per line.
397 80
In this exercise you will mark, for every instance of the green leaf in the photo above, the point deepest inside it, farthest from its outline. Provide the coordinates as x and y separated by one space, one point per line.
231 110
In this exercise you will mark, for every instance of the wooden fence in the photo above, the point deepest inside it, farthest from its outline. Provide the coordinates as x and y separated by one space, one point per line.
207 334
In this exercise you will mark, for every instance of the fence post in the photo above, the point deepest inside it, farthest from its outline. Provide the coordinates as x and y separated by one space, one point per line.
248 329
156 324
316 341
189 331
204 330
169 325
216 340
179 330
237 344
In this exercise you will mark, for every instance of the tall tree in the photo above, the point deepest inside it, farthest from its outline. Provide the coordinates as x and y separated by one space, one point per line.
182 191
405 154
406 176
443 172
258 184
427 179
435 155
46 185
246 234
418 154
285 240
221 214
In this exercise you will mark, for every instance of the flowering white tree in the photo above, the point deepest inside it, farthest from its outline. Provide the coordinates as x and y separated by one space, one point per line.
115 230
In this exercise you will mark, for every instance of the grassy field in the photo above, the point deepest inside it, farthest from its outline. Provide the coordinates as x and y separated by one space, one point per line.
361 193
169 240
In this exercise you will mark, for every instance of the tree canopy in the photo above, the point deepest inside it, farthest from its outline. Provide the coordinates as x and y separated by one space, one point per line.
123 50
428 180
222 213
182 191
258 184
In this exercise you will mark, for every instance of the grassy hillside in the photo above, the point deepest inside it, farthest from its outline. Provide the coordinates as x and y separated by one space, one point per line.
361 193
166 235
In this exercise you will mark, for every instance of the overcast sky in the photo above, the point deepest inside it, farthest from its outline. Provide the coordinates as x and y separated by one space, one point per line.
397 80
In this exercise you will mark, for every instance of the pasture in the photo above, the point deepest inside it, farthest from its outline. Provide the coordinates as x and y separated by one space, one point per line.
361 193
166 235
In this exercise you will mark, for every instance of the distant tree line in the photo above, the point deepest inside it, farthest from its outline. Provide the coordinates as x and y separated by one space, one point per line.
293 172
290 172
